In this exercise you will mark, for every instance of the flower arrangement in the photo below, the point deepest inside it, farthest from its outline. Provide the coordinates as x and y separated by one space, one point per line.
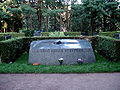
80 61
61 61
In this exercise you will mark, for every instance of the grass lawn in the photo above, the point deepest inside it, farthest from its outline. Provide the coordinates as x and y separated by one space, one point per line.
21 66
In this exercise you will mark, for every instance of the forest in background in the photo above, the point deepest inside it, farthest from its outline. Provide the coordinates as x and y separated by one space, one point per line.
60 15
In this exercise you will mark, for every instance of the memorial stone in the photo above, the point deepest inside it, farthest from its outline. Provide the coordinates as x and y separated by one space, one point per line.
37 33
117 35
50 52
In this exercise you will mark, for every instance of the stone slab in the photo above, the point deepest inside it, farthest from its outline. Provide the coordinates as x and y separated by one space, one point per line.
117 35
48 52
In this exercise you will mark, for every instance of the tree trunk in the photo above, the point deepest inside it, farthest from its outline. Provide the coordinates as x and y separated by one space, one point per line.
91 32
60 23
81 26
31 23
13 26
112 26
39 13
92 26
104 23
67 19
47 23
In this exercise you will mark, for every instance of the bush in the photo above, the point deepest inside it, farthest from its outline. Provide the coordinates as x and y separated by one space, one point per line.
13 34
110 34
72 34
45 33
28 33
1 38
56 34
108 47
10 49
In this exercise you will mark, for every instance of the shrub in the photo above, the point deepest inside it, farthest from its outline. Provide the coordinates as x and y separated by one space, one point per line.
13 34
11 49
72 34
109 47
45 33
56 34
1 38
28 33
111 34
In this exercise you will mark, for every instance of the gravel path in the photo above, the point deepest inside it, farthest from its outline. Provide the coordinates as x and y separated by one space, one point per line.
95 81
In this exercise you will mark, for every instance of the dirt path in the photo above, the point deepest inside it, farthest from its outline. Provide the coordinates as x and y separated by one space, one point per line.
95 81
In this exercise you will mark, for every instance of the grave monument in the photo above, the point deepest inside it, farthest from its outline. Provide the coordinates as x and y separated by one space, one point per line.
61 51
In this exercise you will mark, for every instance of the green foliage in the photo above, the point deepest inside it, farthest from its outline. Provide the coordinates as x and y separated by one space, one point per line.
45 33
28 9
56 34
108 47
15 13
4 15
10 49
1 38
12 16
30 19
96 15
76 18
52 12
28 33
110 34
71 34
13 34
